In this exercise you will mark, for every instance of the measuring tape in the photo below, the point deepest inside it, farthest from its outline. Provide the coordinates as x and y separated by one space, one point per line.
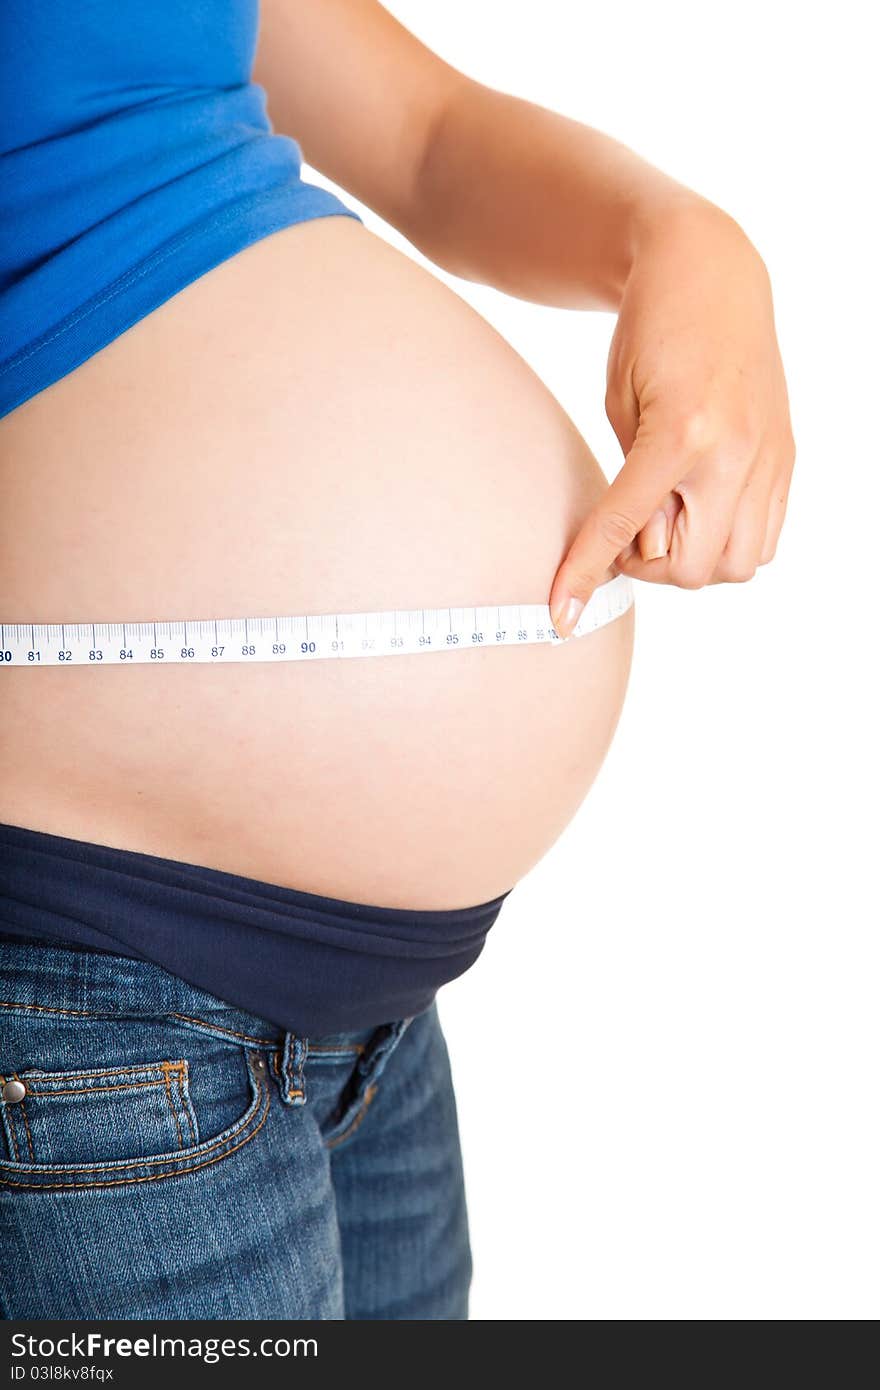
397 632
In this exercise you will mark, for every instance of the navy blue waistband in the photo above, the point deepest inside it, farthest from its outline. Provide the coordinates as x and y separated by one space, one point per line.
310 964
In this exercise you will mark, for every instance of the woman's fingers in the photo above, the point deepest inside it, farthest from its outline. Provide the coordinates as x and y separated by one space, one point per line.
703 520
699 500
745 545
644 479
655 536
751 541
775 518
698 518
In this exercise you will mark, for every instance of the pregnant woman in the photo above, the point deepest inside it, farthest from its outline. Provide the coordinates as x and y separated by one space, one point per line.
230 890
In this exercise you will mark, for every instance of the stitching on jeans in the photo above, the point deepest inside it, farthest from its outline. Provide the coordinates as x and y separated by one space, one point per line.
106 1071
12 1136
346 1133
166 1069
293 1063
97 1013
6 1112
219 1028
45 1009
292 1095
185 1105
24 1115
94 1090
27 1128
153 1177
329 1047
152 1162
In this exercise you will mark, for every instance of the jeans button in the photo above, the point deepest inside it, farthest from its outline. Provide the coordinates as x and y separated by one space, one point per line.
13 1091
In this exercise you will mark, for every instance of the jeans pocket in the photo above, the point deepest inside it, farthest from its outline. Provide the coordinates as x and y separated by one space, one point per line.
91 1127
86 1116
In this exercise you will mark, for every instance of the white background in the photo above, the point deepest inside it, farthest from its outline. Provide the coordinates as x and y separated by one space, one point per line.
666 1058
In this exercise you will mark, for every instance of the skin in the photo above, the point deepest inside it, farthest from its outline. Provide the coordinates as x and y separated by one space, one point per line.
502 191
340 431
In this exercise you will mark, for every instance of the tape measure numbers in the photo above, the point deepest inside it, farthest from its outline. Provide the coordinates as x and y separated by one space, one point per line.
397 632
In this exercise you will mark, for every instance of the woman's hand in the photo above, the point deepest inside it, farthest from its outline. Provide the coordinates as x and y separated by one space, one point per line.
697 398
506 193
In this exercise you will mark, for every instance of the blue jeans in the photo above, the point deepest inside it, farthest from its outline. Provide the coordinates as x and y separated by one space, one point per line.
164 1155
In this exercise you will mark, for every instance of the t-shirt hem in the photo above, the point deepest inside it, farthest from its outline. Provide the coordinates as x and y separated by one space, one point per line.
151 282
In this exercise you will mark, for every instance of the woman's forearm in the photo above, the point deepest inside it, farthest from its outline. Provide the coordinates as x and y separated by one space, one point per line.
534 203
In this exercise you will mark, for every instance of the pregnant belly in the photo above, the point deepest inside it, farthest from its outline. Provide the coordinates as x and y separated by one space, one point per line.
318 425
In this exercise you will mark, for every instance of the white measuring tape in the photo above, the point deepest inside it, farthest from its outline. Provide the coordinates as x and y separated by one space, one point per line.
397 632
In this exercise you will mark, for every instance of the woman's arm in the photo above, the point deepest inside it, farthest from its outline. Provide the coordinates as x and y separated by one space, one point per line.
488 186
545 208
357 91
536 204
499 190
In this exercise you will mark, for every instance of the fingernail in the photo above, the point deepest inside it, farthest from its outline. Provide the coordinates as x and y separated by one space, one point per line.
567 620
654 538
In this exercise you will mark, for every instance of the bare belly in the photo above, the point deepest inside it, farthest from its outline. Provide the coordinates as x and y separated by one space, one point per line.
317 425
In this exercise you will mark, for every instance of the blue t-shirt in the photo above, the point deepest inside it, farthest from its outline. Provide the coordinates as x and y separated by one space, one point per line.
135 154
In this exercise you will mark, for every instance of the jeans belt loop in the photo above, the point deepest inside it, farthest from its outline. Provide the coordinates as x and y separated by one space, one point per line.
293 1060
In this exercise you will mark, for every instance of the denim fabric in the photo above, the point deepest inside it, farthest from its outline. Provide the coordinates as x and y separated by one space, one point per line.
175 1157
